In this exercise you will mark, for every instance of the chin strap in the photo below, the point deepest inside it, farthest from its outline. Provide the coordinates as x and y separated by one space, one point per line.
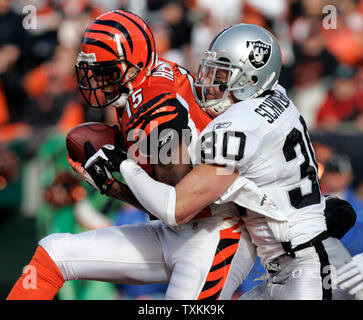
121 102
219 108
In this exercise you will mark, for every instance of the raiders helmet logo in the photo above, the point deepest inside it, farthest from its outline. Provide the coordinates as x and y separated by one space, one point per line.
259 54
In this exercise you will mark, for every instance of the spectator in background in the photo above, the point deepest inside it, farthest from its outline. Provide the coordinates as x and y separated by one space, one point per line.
337 180
9 166
77 14
313 65
174 13
52 87
343 101
345 41
161 32
337 176
13 50
323 153
11 37
42 35
222 13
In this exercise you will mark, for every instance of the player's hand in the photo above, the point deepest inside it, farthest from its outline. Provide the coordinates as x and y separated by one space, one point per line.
340 216
81 171
109 155
350 276
99 167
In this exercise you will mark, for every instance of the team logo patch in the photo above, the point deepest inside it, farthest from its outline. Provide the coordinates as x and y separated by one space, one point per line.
164 140
260 53
296 274
221 125
272 205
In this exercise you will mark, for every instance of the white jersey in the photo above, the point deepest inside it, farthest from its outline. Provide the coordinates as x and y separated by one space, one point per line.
266 139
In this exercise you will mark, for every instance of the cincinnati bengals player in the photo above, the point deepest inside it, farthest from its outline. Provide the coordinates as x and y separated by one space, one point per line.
118 66
206 258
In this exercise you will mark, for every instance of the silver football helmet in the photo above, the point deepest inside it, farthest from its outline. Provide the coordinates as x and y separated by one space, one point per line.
241 63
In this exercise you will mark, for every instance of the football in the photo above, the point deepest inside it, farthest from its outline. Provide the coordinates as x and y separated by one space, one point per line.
96 133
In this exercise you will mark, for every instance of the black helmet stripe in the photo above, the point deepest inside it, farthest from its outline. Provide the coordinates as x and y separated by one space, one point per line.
101 31
100 44
120 27
148 41
112 36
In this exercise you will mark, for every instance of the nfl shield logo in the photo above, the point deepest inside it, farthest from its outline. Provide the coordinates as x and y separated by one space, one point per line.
260 53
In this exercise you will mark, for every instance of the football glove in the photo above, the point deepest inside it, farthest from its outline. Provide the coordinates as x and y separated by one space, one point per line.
81 172
97 174
350 276
99 166
340 216
109 155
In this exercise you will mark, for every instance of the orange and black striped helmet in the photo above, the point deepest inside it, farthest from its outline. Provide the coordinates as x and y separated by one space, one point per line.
117 54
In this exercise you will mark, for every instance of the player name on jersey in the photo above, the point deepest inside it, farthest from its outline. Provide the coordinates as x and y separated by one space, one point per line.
273 106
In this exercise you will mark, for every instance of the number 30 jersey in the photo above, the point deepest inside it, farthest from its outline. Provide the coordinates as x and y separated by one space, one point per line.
266 139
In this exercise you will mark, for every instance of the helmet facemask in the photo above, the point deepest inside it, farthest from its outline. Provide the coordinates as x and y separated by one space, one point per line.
103 83
216 81
117 55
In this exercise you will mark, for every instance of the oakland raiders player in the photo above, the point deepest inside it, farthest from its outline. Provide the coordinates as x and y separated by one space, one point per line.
257 135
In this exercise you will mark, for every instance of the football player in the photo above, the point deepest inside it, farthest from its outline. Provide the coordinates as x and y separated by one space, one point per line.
206 258
257 133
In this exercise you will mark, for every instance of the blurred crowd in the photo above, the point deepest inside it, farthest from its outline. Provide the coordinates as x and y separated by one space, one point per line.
322 50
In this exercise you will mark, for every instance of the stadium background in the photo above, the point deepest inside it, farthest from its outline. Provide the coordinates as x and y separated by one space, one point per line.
322 46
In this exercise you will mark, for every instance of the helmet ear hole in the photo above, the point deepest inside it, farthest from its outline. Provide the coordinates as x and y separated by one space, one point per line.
254 79
140 64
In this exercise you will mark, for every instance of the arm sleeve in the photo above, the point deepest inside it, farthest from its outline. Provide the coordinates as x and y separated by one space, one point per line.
156 197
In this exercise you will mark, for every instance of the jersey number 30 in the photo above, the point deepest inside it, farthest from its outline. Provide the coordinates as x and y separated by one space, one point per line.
294 138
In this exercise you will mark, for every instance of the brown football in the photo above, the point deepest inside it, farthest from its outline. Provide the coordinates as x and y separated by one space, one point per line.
96 133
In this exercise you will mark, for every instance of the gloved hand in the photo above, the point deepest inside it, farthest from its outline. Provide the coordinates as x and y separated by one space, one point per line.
81 171
97 170
109 155
340 216
100 164
350 276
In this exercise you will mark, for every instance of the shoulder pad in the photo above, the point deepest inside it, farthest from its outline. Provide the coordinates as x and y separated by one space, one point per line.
239 117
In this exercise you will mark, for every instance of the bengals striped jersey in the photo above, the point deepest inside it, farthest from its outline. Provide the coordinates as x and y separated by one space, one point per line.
163 102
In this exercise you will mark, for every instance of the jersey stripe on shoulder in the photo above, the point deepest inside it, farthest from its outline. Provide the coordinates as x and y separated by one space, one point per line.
189 76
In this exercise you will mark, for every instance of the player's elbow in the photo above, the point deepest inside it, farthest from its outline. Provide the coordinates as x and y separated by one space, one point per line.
183 216
184 210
